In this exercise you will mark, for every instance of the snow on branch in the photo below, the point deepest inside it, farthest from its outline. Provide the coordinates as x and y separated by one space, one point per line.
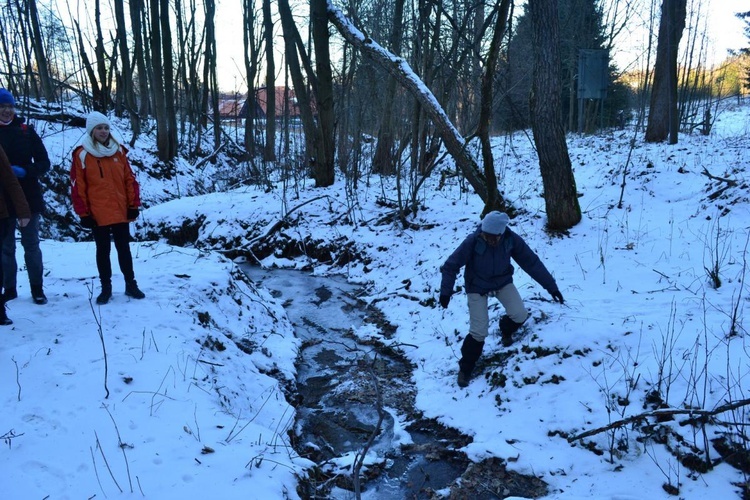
398 68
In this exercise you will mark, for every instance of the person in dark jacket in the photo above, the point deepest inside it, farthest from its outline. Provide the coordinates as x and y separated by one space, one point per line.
11 198
29 161
486 255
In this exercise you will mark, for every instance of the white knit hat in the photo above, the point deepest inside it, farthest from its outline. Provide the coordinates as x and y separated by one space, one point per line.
93 119
495 222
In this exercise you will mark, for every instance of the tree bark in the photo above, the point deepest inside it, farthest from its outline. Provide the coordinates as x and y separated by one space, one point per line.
139 56
128 82
251 59
269 152
400 70
663 118
87 68
383 161
560 194
324 169
168 65
210 70
494 201
41 58
100 54
298 82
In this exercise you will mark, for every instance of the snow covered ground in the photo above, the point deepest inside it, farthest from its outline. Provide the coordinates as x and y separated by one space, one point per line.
188 400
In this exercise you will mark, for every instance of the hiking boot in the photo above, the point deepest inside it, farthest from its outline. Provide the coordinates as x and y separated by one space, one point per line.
10 294
132 290
37 293
463 379
507 328
4 319
506 339
106 293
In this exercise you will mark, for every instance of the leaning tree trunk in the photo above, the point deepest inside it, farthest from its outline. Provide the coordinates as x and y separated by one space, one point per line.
560 195
663 118
399 69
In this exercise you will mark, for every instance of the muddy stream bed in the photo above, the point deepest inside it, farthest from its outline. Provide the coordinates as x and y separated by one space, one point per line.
346 387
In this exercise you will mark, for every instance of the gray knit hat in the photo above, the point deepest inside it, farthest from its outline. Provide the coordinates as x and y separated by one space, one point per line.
495 222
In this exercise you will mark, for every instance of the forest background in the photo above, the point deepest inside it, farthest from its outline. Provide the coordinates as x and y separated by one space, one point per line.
475 65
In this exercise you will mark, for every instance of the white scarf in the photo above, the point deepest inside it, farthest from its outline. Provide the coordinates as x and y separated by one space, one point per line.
99 150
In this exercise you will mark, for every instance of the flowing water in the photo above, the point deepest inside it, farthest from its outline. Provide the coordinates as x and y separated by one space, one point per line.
347 390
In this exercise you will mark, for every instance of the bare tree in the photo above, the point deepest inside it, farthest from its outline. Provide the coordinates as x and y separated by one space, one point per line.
137 13
251 56
163 80
383 161
560 194
663 118
127 80
494 201
210 81
37 42
399 69
293 45
324 164
269 152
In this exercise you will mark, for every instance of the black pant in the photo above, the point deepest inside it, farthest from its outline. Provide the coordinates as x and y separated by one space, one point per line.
120 233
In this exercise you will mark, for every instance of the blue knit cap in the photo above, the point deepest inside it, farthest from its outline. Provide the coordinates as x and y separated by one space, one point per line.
6 97
495 222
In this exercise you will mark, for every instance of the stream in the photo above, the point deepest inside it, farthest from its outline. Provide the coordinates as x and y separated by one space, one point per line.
345 387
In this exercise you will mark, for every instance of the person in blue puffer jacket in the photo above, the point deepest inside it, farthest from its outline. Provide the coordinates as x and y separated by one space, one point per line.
486 254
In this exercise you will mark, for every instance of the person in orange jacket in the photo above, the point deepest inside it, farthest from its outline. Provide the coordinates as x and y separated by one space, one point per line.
11 194
106 197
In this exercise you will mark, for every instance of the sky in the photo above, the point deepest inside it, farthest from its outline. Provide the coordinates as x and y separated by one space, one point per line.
154 397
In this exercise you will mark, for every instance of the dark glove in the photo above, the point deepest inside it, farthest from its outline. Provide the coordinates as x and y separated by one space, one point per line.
444 300
19 171
88 222
557 296
133 213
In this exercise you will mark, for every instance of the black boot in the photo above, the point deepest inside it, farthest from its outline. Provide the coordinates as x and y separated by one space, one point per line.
507 328
37 293
106 293
132 290
470 352
4 319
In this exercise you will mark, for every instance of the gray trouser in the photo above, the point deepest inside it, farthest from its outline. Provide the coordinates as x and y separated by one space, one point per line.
32 253
479 316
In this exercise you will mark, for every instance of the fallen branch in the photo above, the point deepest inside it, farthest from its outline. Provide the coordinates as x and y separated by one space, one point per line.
696 416
729 183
